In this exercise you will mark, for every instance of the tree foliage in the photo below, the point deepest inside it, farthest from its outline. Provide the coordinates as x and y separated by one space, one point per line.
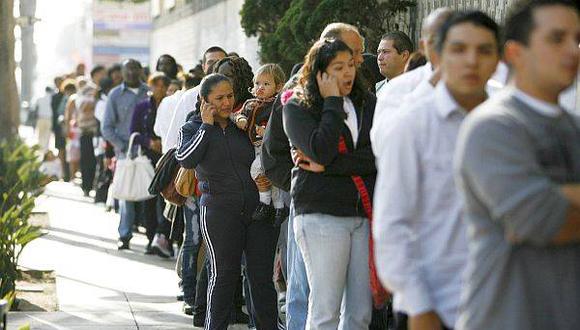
287 29
20 183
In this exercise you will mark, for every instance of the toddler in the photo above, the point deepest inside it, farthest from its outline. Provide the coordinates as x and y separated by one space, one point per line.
51 166
253 118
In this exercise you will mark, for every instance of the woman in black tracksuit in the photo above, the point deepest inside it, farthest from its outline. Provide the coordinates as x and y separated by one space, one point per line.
222 155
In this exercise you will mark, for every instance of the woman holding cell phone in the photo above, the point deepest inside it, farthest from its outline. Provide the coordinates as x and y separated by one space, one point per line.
222 155
328 120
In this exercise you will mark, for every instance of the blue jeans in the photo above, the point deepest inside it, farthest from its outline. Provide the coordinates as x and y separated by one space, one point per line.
340 298
127 211
298 290
190 249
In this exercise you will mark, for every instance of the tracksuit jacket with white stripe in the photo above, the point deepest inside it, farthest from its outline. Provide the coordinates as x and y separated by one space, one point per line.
223 176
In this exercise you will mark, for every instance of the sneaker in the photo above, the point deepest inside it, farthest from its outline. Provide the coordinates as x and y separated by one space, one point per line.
161 246
263 213
123 244
280 215
187 309
199 320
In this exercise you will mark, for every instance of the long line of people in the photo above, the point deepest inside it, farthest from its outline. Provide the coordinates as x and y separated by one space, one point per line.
429 188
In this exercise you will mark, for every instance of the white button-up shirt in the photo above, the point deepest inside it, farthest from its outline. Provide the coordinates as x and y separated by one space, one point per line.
185 105
164 116
392 96
420 239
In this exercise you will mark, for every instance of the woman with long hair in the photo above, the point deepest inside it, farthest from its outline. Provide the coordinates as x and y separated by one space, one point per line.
328 120
240 73
222 155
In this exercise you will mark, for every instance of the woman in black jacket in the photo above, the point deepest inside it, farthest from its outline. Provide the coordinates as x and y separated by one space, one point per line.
222 155
328 120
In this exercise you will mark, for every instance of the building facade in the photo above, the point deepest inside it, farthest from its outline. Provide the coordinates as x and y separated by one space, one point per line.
186 28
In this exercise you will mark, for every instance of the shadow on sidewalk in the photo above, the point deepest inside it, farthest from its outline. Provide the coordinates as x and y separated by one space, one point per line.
125 295
76 233
133 255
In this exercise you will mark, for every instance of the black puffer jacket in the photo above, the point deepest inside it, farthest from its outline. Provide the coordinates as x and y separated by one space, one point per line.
316 133
222 160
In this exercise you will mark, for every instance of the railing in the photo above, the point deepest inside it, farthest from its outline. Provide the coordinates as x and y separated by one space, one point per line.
497 9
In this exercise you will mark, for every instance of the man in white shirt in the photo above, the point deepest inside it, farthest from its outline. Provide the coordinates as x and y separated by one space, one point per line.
420 240
393 53
391 96
188 99
44 120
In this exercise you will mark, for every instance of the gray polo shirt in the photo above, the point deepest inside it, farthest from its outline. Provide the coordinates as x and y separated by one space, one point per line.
510 160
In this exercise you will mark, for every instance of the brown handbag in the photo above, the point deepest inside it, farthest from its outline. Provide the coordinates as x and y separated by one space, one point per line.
185 182
170 193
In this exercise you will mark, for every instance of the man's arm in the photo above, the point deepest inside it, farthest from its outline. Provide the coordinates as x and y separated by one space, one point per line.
276 158
570 231
109 125
496 159
396 200
185 105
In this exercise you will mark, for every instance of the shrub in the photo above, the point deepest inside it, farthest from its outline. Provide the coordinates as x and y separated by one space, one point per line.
20 183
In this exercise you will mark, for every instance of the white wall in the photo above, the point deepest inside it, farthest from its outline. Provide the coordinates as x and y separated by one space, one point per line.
189 37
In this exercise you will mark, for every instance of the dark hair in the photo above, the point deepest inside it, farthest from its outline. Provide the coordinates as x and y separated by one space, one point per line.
474 17
318 58
520 21
213 49
243 78
96 69
105 86
173 73
190 80
113 68
401 41
416 60
207 85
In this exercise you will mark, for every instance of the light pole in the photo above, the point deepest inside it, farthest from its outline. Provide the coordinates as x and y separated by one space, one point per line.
28 62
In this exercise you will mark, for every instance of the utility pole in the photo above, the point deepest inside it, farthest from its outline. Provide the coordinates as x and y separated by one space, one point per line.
9 114
28 63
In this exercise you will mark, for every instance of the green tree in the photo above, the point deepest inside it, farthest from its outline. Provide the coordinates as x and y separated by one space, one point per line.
291 27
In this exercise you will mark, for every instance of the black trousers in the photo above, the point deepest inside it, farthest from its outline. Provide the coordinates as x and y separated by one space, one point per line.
88 162
155 222
401 320
229 234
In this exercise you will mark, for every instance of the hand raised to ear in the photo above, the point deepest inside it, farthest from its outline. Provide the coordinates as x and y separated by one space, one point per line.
327 84
207 112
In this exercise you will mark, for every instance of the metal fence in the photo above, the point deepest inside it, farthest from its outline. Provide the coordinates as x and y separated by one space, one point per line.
495 8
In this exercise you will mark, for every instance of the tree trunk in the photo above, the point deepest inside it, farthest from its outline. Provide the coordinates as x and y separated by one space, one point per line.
9 104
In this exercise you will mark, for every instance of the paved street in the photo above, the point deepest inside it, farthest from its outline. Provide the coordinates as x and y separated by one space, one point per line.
98 287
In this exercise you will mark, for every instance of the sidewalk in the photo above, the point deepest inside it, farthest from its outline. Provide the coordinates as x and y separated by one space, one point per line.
97 286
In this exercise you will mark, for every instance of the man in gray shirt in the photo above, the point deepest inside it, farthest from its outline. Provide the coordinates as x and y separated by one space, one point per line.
116 129
518 169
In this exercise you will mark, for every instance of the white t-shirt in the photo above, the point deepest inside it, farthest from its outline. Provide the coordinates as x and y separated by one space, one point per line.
350 120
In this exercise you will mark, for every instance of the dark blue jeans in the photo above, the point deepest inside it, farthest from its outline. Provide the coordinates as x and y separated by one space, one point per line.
190 249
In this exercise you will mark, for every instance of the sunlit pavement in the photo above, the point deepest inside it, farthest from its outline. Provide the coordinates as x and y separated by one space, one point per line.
97 286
